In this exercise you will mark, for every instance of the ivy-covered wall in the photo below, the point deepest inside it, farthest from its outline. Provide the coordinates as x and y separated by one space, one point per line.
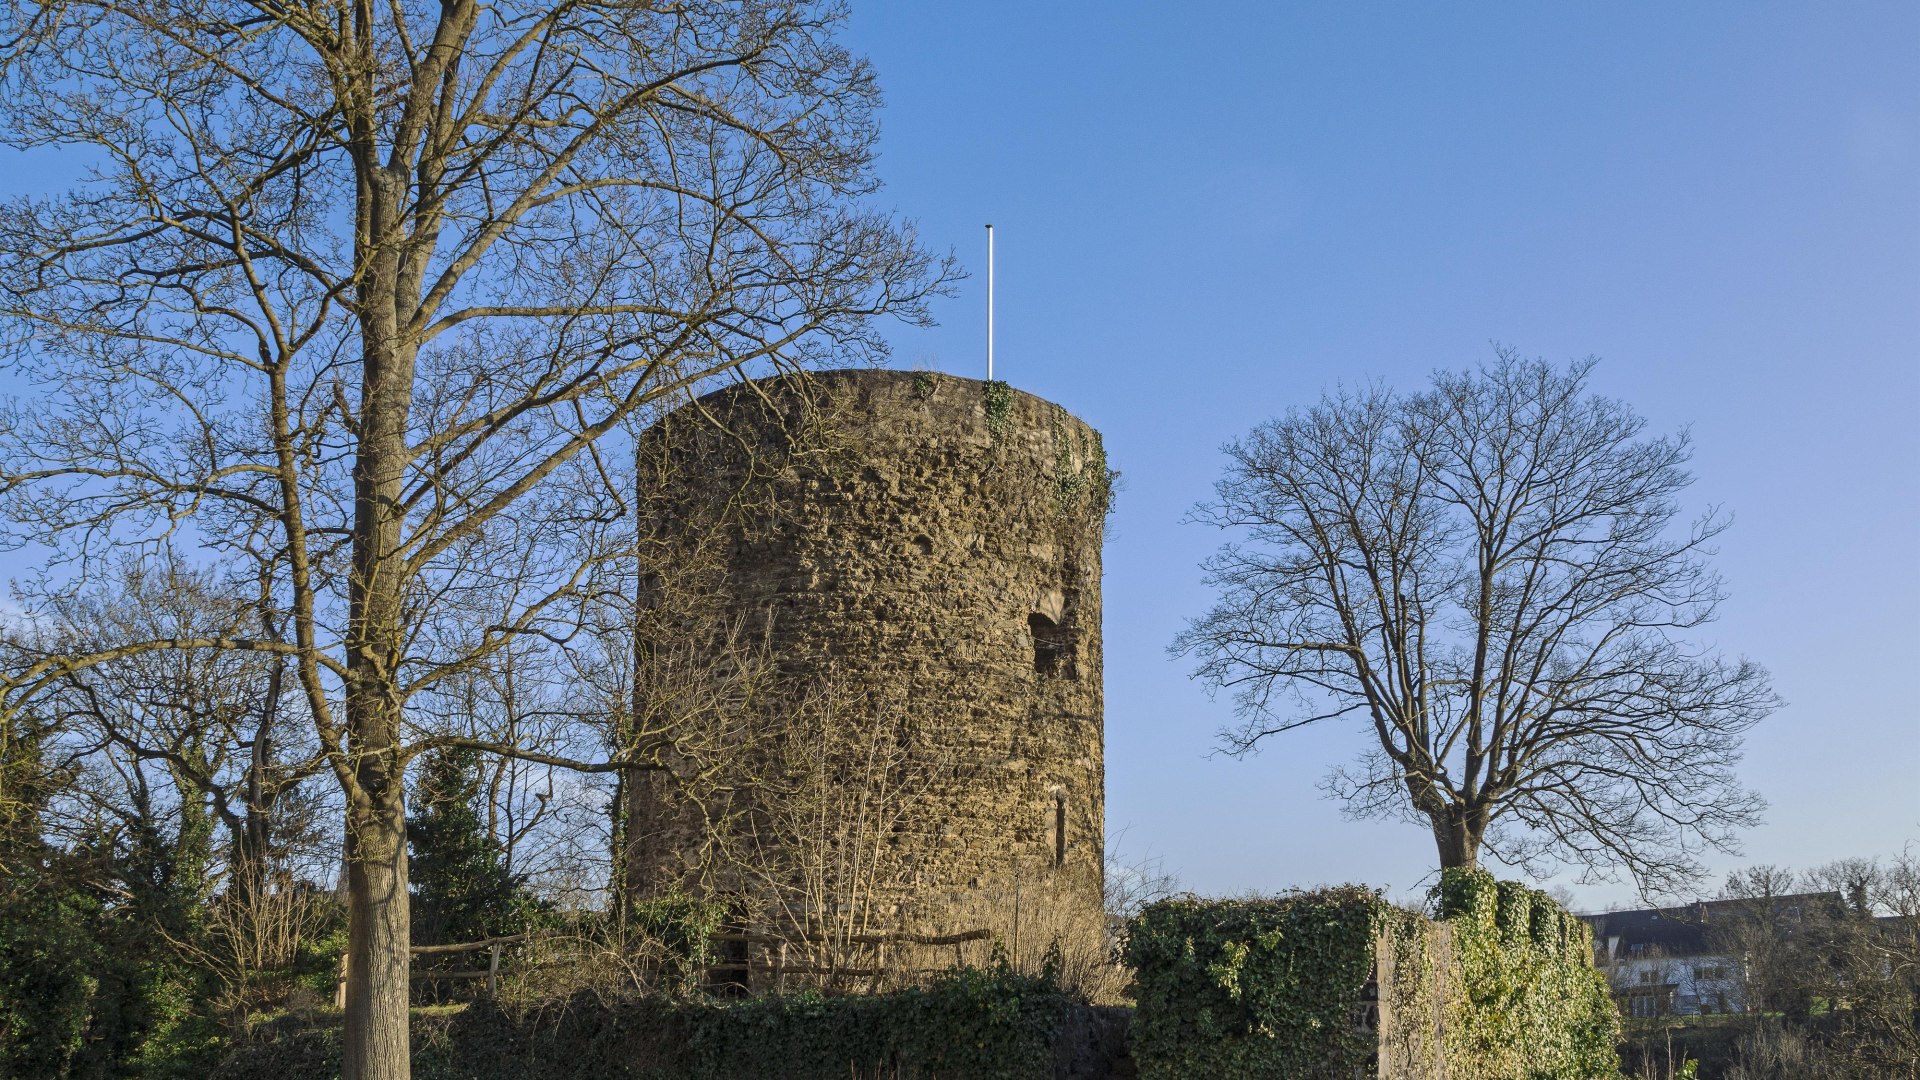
1338 983
1530 1003
1256 988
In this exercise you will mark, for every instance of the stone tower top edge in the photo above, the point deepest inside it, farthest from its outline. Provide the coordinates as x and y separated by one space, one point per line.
872 378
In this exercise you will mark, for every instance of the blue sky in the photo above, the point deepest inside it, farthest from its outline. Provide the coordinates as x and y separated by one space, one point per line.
1207 213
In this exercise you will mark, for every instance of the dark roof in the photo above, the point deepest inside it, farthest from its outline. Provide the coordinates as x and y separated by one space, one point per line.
1672 930
1682 931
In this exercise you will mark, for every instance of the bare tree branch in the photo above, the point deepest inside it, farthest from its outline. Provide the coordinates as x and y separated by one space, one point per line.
361 285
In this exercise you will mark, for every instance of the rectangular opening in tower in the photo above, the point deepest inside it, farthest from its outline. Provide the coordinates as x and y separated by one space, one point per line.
1052 647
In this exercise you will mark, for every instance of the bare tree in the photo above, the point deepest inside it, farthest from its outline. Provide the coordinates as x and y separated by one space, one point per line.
1129 884
1490 579
1830 966
357 289
206 726
167 751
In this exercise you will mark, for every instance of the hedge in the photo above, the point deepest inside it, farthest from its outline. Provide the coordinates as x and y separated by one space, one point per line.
1502 987
992 1024
1254 988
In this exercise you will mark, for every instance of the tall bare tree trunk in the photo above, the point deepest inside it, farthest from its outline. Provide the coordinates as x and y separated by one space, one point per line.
378 916
580 280
378 926
252 842
378 943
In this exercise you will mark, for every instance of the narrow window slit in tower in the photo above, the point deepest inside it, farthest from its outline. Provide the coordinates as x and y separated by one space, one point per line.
1059 828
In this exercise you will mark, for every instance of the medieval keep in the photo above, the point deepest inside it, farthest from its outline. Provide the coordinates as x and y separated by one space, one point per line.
922 553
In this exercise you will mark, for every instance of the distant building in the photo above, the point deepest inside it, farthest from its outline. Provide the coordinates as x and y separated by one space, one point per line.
1679 961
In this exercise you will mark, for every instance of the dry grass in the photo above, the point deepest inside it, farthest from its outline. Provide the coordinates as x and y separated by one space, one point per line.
1042 923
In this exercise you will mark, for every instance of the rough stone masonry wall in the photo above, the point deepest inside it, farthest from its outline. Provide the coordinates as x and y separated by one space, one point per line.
932 545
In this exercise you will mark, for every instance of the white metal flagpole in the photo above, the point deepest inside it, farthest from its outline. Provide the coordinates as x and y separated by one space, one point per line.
989 303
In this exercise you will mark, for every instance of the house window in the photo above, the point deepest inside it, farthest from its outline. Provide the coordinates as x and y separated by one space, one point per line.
1644 1005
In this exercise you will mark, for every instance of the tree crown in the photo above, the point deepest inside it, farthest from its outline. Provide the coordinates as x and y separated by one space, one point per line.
1490 576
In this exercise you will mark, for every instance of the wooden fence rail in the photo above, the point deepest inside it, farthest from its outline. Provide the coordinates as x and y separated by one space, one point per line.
860 939
777 965
491 972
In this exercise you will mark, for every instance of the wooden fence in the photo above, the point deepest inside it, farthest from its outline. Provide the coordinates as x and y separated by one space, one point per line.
492 946
774 961
777 964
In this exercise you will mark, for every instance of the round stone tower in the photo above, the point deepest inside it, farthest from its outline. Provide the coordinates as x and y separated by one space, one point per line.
926 548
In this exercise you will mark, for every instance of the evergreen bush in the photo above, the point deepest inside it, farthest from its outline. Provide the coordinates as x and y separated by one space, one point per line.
49 959
462 888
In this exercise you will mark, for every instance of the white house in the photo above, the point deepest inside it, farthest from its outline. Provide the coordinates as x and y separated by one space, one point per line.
1672 962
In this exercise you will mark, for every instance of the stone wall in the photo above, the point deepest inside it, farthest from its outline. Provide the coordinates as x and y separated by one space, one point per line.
926 549
1337 983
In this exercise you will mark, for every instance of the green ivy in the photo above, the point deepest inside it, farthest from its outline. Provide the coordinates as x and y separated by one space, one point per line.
1092 481
1533 1004
1256 988
684 927
999 408
1274 987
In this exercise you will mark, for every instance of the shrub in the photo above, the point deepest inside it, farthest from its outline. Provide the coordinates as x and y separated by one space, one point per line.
681 929
49 954
992 1024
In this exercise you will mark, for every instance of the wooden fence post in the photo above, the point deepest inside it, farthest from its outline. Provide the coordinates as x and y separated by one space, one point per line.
340 987
493 970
